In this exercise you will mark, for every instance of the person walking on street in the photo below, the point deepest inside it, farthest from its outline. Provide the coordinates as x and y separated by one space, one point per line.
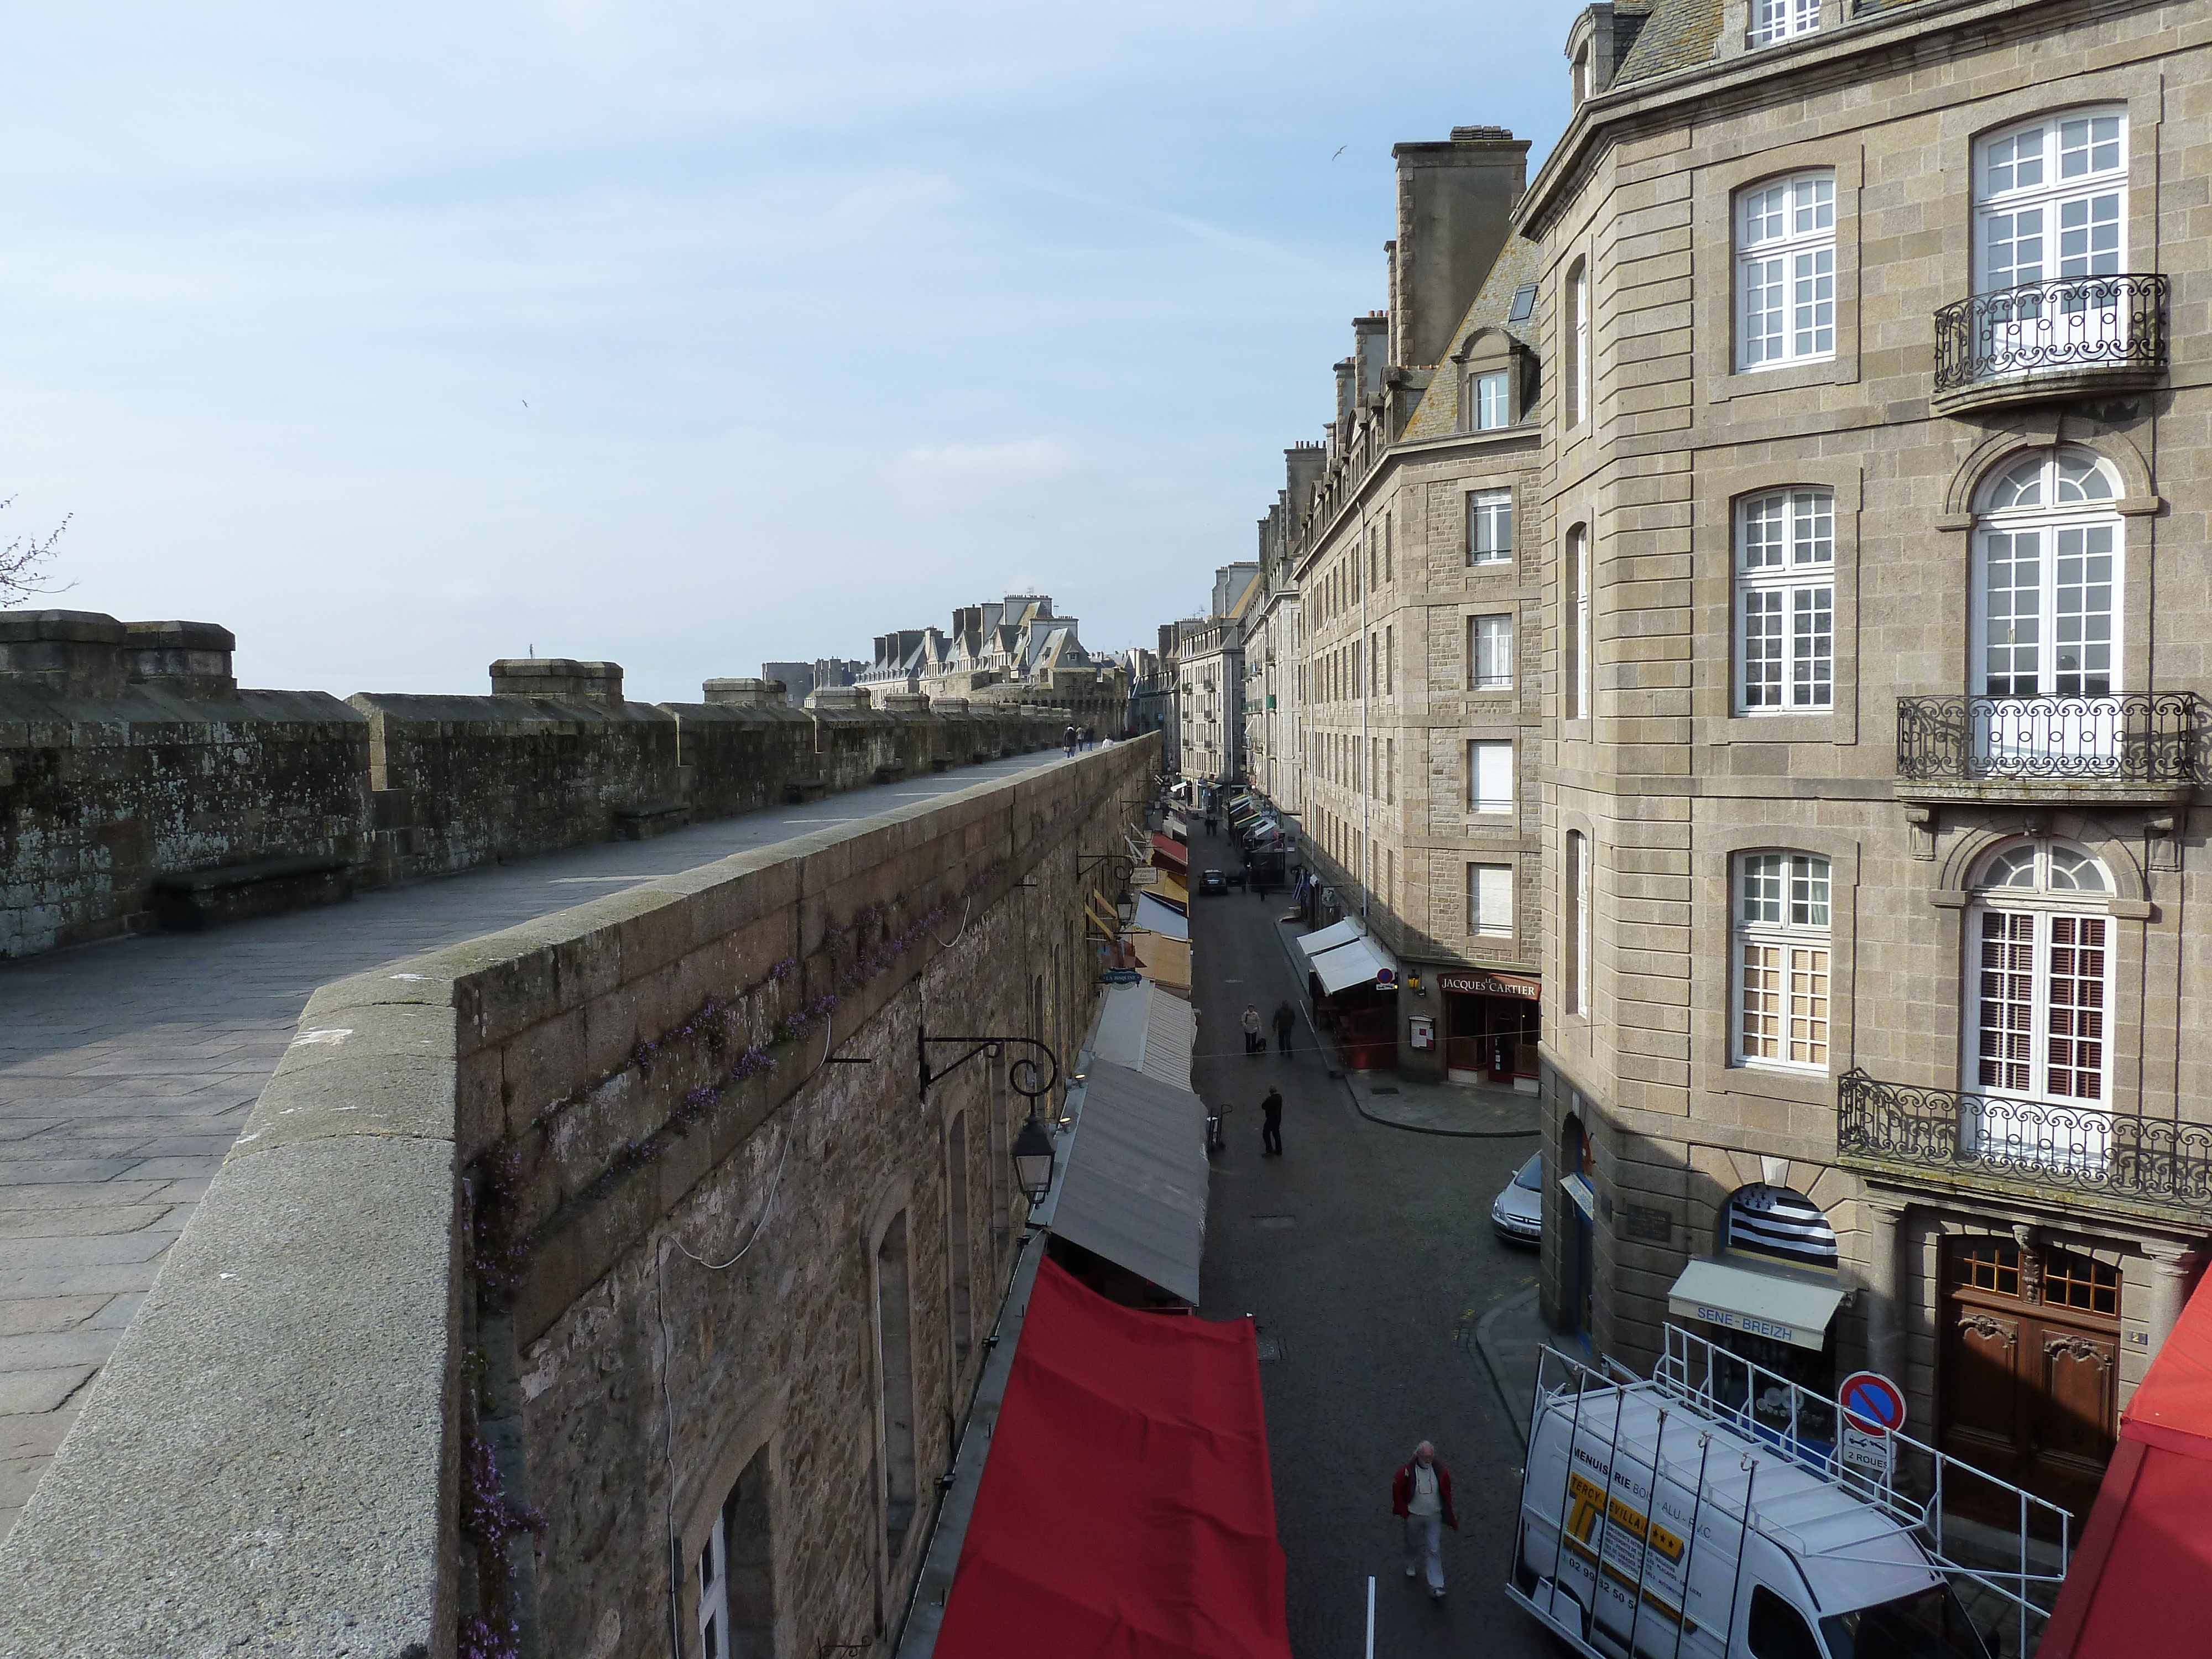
1067 742
1421 1495
1254 1042
1286 1021
1271 1126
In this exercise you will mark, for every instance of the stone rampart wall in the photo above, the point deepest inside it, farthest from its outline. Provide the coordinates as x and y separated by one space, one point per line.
581 1219
127 762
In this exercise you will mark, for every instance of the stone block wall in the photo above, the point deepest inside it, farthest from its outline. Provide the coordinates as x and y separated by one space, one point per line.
128 755
583 1218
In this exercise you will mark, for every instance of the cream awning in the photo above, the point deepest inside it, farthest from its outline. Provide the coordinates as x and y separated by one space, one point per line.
1791 1308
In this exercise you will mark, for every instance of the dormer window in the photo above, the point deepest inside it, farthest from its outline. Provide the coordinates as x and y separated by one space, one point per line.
1773 21
1493 401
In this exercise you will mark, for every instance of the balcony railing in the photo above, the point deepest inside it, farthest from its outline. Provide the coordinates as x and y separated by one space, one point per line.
2135 1161
2143 736
2073 323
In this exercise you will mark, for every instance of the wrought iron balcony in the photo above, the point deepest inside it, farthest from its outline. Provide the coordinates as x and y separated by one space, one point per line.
1988 1140
2058 337
2140 742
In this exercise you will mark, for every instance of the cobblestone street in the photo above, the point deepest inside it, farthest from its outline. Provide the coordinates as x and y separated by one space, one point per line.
1366 1255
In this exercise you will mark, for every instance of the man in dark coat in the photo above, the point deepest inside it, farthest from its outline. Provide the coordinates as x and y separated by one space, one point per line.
1286 1021
1271 1124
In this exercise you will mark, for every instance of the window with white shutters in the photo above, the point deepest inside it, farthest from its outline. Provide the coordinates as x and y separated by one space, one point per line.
1489 777
1786 271
1785 601
2040 986
1781 1004
1489 900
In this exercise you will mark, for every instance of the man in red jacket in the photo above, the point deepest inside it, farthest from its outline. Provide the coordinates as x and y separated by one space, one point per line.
1421 1494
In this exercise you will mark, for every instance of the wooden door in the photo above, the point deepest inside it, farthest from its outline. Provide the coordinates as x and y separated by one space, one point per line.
2029 1373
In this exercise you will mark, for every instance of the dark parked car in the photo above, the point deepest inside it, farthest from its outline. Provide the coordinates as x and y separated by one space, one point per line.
1213 882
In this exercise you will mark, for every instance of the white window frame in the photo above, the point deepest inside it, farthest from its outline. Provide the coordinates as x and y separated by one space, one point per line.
1576 677
712 1569
1785 271
1785 573
1490 652
2041 903
1489 764
1578 329
1788 928
2079 218
1489 526
1776 20
1490 890
1575 882
1493 400
2074 528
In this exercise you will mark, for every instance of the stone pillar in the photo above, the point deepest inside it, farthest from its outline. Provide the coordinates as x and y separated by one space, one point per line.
2169 1290
1885 1280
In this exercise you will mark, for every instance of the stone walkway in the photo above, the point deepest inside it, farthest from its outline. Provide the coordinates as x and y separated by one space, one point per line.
127 1068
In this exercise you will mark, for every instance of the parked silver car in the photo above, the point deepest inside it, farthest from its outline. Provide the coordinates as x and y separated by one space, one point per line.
1518 1212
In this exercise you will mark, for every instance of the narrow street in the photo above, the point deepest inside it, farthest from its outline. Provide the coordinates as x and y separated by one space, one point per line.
1366 1255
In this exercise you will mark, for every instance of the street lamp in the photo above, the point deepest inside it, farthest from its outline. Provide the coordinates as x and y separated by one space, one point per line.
1033 1161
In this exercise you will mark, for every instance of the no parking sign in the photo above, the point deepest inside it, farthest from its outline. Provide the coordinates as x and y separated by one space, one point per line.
1874 1409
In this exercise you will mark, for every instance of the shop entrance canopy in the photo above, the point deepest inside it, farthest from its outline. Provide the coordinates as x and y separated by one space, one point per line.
1785 1306
1134 1188
1127 1507
1356 963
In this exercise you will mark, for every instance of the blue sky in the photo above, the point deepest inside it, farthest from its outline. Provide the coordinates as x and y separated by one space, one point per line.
401 338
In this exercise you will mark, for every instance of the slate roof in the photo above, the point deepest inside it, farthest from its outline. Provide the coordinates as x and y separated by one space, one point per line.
1675 34
1517 262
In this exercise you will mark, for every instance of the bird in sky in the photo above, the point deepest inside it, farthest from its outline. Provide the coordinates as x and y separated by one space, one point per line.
1340 148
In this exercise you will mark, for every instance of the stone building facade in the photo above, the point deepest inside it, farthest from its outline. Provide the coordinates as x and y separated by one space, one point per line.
1419 653
1210 680
1873 480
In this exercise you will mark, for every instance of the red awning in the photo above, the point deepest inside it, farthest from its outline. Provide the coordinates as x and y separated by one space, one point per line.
1127 1510
2146 1556
1166 848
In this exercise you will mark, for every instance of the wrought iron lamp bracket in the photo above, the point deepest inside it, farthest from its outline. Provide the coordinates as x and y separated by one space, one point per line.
1032 1076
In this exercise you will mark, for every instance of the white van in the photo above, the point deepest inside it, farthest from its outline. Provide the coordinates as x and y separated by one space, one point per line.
1690 1531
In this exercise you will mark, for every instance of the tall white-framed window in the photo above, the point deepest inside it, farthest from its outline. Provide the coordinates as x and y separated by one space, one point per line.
2050 200
1578 365
2047 548
1493 401
1779 1011
1490 653
1785 271
1574 921
1489 900
1574 631
2039 989
1490 526
1785 573
1489 776
2050 215
1782 20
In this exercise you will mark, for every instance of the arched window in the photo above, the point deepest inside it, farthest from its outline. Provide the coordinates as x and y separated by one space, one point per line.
2046 574
1780 1004
1575 627
1777 1223
2039 979
2051 243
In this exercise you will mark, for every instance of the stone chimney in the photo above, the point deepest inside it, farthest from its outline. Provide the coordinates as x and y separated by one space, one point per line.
78 654
1454 200
744 693
825 698
903 702
564 679
190 658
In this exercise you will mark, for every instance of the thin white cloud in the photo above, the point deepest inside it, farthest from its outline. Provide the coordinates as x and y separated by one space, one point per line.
949 478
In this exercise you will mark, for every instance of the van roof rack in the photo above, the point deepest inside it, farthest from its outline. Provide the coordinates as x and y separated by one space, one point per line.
2002 1548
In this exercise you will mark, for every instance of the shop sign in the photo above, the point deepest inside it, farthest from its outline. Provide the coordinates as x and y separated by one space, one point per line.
1491 985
